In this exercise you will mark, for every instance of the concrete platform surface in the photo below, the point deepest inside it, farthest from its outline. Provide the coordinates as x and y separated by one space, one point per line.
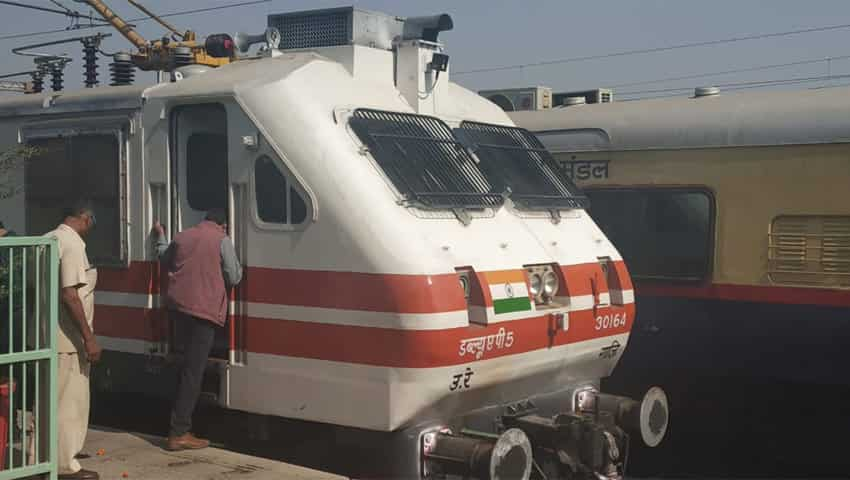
120 455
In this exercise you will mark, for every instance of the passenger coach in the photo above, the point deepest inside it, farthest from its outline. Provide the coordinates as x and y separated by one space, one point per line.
733 213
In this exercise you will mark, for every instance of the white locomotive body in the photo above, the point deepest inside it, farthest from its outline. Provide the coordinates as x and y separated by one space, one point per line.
398 276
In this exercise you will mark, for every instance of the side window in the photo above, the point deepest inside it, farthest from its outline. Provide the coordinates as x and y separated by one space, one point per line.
661 233
206 171
297 207
277 200
79 166
270 188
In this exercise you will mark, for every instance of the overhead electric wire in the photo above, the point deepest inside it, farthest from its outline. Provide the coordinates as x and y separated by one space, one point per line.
624 53
67 12
63 7
727 72
46 32
16 74
138 19
739 86
733 84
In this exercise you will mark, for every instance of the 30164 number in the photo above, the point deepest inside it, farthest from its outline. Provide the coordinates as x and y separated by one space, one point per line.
604 322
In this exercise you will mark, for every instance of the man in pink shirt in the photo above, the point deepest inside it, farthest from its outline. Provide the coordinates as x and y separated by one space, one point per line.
202 265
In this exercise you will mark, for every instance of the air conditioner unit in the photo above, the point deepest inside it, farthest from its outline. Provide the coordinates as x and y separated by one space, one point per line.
513 99
597 95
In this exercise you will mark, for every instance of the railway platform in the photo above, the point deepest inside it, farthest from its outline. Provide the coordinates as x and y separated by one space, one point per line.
123 455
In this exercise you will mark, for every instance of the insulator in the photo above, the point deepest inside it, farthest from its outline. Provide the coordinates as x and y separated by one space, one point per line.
56 75
42 70
122 69
90 61
37 82
183 56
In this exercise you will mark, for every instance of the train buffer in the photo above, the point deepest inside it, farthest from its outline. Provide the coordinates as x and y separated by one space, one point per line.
118 455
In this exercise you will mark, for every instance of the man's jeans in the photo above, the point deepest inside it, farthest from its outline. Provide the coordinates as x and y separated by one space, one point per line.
196 336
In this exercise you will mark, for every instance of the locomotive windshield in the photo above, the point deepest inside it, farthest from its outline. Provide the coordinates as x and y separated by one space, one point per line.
424 160
513 158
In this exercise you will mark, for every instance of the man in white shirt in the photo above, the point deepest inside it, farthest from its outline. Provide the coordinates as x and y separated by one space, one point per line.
77 345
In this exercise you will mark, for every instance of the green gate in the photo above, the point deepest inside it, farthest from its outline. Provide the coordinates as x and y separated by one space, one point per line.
29 303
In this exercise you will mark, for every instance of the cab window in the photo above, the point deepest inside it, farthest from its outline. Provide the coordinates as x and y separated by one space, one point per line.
277 200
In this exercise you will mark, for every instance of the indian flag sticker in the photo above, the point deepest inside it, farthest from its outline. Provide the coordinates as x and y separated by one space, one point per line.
509 292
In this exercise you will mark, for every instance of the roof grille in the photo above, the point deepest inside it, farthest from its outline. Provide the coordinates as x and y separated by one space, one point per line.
424 160
333 27
321 28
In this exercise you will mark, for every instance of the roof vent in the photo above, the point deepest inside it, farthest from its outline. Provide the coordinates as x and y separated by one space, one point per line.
706 92
571 101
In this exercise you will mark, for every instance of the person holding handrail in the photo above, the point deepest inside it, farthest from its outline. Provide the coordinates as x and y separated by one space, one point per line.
201 264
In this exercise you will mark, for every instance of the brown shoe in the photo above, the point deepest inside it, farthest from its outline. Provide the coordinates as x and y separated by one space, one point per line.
81 475
186 441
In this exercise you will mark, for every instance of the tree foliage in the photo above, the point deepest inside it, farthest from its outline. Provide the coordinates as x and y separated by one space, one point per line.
11 164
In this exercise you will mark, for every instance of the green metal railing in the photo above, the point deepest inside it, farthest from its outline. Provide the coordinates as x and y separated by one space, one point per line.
29 309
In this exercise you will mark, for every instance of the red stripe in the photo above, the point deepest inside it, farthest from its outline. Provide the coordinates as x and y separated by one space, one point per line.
140 277
580 279
750 293
325 289
353 291
130 322
379 346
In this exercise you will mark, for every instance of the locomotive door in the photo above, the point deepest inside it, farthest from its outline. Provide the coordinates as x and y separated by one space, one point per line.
201 182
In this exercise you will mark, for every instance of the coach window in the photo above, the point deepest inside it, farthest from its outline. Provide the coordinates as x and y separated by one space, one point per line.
79 166
661 233
278 201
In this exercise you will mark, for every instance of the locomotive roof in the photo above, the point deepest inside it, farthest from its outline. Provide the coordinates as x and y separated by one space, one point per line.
725 120
222 81
89 99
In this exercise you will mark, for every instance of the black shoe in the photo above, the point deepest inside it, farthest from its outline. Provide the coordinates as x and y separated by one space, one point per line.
83 474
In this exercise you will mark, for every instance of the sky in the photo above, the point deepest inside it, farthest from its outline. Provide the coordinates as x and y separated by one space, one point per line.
499 33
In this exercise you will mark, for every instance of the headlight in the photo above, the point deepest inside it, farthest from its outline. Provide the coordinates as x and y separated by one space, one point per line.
536 283
550 284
